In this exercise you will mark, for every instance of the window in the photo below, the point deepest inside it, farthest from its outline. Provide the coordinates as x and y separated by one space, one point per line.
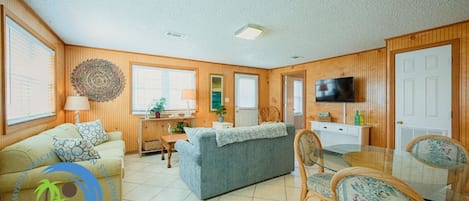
246 91
298 97
29 76
152 83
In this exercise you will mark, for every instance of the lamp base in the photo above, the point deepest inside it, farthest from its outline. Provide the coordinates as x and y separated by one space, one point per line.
77 117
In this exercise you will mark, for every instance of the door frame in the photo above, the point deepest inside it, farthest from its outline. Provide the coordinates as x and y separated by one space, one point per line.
282 87
455 85
234 93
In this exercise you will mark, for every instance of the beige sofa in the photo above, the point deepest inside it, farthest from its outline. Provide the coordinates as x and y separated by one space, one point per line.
22 166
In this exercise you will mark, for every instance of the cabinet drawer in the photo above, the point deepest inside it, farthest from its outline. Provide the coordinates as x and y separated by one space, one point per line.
352 130
329 127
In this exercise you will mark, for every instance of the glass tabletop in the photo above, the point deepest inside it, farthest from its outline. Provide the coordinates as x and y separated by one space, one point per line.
429 180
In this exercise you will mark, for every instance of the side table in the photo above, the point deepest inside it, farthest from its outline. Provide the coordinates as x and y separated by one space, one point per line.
167 142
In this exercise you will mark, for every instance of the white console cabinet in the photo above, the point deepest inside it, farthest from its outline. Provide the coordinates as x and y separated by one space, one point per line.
337 133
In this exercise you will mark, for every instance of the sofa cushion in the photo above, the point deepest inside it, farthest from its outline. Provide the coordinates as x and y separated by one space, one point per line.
111 149
92 131
66 130
74 149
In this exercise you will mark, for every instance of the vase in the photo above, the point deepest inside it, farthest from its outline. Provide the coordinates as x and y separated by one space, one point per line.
157 115
221 119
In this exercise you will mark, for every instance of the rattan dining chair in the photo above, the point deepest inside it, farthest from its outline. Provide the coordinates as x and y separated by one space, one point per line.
361 183
269 114
314 181
438 150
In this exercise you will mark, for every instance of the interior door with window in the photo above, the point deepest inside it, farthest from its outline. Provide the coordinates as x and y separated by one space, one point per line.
293 100
246 100
422 94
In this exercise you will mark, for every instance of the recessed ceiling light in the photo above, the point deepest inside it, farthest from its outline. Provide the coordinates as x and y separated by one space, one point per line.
250 32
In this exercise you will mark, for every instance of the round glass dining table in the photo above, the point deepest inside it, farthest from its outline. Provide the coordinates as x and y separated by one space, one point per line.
446 181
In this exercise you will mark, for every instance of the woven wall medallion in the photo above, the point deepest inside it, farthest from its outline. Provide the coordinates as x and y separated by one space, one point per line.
98 79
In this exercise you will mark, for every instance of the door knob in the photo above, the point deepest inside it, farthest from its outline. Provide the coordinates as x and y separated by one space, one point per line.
399 122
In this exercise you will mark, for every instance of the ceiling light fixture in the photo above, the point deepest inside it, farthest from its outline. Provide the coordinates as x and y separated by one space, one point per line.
250 32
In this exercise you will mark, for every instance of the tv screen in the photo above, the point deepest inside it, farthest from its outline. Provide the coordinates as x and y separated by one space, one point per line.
335 90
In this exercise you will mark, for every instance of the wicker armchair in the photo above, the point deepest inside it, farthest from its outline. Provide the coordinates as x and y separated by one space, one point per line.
438 151
314 182
269 114
361 183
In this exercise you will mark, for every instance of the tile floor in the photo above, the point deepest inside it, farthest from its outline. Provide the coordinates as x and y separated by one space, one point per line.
147 178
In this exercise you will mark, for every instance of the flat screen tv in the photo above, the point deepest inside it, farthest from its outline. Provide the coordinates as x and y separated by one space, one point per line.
335 90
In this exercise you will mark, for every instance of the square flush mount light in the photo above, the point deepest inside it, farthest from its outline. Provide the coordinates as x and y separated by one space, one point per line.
250 32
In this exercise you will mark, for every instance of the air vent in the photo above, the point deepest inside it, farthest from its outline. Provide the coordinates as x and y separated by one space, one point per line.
175 35
296 57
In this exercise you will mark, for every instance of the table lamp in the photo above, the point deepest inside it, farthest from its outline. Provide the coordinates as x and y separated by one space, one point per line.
188 94
77 103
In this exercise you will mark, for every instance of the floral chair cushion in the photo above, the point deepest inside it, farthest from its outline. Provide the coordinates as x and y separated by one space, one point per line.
439 152
361 188
74 149
321 183
93 131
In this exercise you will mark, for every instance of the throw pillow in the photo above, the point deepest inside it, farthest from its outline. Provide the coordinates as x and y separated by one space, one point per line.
193 132
74 149
92 131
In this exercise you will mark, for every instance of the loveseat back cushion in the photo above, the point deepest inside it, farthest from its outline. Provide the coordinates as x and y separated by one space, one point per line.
66 130
35 151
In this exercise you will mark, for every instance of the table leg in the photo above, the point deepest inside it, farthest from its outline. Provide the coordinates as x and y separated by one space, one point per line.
169 157
162 152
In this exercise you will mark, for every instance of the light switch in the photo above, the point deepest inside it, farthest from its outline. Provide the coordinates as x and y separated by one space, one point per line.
227 100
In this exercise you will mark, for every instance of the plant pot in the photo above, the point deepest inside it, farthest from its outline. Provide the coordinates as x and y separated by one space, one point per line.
157 115
221 119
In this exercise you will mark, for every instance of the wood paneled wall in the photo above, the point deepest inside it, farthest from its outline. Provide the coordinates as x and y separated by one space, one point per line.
369 70
27 16
116 114
458 31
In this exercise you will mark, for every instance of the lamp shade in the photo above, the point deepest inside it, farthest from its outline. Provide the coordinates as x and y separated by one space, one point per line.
77 103
188 94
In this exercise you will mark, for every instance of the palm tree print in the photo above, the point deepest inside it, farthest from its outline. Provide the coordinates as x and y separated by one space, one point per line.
49 188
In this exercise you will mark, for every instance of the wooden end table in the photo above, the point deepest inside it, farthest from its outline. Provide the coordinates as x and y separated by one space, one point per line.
167 142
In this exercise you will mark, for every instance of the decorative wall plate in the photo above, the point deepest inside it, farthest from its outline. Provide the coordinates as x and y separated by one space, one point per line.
98 79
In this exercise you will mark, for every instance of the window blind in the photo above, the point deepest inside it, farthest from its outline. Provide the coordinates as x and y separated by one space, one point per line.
149 84
29 76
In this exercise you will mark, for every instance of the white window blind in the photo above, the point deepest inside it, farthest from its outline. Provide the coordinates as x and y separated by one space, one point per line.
149 84
298 96
29 76
246 86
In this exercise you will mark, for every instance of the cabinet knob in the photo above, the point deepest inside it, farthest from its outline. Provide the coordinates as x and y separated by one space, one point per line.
325 127
399 122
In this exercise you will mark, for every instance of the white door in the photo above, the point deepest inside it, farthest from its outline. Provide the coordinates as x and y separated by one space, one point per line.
246 100
293 101
422 94
288 108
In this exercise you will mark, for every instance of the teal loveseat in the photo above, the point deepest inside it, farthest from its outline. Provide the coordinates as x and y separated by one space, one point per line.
210 170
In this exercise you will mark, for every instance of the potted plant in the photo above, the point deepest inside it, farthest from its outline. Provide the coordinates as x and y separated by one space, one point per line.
220 111
158 107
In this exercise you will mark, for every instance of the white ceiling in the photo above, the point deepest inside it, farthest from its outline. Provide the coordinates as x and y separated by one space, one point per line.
310 29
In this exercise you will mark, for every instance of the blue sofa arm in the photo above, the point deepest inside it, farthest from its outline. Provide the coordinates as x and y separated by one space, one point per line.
188 150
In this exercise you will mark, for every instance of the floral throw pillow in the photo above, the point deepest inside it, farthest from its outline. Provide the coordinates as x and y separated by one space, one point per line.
74 150
92 131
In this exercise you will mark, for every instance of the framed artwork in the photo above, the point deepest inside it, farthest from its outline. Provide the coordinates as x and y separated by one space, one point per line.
216 91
